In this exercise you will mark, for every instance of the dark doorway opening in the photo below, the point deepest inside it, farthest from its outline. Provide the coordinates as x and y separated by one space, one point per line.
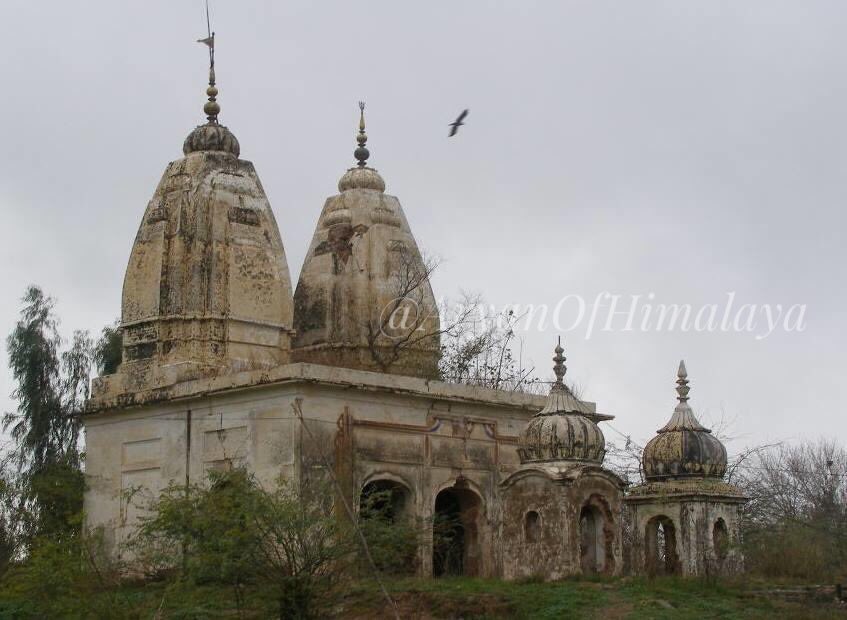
455 533
720 539
592 542
662 556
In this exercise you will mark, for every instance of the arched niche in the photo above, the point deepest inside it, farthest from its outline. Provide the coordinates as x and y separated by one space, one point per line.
720 540
532 527
384 498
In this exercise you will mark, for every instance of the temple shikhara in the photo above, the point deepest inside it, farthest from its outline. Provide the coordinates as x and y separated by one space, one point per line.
226 364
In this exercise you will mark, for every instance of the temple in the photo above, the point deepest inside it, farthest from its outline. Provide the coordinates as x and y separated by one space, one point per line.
224 367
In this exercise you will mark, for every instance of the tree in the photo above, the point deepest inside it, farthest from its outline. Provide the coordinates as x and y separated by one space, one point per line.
796 519
409 321
478 351
52 387
39 427
51 391
109 349
306 547
11 516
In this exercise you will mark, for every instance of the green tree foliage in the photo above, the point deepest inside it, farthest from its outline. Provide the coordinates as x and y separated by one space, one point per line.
236 533
109 349
44 496
51 390
70 577
39 427
392 535
10 516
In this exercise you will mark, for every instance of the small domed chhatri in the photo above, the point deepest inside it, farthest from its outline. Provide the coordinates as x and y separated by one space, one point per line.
683 447
564 430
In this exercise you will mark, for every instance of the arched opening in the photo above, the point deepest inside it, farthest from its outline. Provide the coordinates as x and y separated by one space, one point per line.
532 527
591 540
720 539
384 499
386 524
662 557
455 533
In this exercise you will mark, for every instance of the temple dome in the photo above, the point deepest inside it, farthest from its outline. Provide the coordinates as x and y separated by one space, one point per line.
564 430
683 447
361 178
211 137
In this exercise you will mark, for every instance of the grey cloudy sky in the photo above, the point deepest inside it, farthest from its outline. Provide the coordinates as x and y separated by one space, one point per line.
686 149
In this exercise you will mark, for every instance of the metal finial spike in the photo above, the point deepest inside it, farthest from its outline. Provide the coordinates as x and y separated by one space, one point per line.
682 388
559 369
211 107
361 154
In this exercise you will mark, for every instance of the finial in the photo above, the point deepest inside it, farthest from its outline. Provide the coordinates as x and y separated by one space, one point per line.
682 382
560 367
361 154
211 107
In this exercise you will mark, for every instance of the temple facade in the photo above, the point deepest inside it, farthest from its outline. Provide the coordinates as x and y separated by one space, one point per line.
224 366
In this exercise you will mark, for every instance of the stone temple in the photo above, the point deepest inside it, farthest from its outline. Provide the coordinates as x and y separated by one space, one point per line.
223 365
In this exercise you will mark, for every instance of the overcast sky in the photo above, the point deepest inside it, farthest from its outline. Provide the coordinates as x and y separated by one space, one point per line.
685 149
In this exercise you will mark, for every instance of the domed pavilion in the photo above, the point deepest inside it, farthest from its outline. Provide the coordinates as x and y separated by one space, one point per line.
561 507
685 516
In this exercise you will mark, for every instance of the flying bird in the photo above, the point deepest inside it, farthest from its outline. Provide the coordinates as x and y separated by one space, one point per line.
454 126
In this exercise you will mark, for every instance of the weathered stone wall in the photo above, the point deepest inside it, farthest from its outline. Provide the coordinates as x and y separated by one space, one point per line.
435 447
429 438
427 435
142 451
554 548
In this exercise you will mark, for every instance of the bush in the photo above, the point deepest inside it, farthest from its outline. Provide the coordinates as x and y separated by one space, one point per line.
393 537
236 533
69 577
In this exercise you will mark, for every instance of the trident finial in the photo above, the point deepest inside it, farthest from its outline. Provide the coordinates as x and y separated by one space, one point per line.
211 108
560 369
682 382
362 153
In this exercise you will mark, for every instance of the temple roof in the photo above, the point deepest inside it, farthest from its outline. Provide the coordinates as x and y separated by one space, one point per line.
683 447
565 429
